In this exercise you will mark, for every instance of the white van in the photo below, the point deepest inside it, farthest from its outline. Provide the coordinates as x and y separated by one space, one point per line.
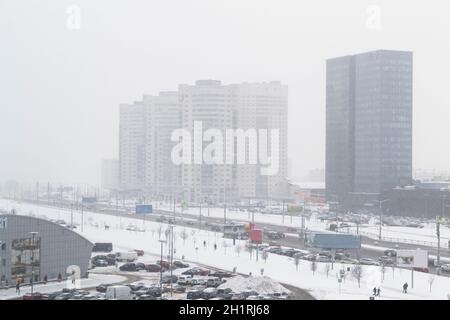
126 256
118 293
184 280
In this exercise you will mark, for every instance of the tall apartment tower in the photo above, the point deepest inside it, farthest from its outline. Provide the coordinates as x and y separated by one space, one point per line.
368 123
132 132
162 118
210 103
262 106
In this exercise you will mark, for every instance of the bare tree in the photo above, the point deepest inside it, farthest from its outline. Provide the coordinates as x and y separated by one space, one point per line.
357 273
383 271
313 266
184 235
431 280
327 269
297 262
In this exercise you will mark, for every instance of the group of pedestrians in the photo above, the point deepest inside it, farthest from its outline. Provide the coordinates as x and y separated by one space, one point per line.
376 291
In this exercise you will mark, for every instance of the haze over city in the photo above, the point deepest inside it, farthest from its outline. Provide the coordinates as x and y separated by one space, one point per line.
61 87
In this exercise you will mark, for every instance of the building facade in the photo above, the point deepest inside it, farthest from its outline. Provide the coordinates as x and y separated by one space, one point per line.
207 106
48 254
369 123
132 133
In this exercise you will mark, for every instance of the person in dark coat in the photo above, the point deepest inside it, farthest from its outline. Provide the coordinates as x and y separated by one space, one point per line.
18 286
405 287
378 291
374 291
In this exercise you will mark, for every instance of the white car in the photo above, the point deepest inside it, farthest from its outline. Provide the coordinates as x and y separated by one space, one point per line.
446 267
368 262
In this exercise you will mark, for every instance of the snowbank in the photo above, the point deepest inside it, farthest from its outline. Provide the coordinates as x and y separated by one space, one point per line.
262 285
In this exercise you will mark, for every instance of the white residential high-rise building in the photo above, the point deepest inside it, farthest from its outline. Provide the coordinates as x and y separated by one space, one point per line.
132 146
163 116
211 103
262 106
145 142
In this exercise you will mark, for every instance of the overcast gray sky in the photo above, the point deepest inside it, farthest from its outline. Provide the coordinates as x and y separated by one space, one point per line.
60 88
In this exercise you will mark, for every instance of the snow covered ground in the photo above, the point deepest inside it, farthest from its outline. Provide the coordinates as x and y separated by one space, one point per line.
322 284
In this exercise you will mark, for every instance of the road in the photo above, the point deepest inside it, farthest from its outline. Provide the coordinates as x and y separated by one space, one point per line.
204 222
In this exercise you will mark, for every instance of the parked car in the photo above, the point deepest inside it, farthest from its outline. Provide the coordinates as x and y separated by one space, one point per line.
349 261
164 264
390 253
310 257
102 247
209 293
153 267
140 253
180 264
118 293
320 258
213 282
167 278
129 266
136 287
101 288
368 262
445 268
100 263
126 256
221 274
196 271
140 266
386 260
194 294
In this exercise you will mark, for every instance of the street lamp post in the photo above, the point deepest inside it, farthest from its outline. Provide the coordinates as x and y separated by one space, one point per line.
171 259
160 264
381 213
33 237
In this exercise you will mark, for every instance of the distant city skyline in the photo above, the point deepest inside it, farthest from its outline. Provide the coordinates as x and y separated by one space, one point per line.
58 113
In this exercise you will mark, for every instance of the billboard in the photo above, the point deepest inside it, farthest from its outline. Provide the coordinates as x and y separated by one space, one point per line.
334 241
412 258
144 208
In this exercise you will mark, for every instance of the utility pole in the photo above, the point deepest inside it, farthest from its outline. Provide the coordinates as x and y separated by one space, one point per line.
161 268
171 259
381 213
200 218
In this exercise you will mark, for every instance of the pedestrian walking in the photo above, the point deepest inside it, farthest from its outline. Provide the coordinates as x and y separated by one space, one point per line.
405 287
378 291
18 287
374 291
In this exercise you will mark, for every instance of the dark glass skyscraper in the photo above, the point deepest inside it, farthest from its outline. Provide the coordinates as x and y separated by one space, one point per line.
368 123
